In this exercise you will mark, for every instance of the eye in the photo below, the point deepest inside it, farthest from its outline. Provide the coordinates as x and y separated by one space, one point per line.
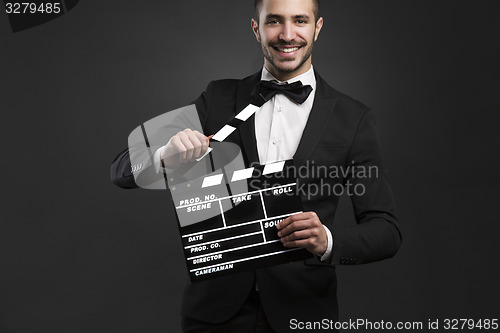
272 22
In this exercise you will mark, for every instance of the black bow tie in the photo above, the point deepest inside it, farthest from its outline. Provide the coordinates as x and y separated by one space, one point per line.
296 91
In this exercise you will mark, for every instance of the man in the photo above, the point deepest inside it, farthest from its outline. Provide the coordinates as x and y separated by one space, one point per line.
327 129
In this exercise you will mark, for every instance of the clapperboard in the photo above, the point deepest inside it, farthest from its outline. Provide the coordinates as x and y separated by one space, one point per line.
227 212
226 231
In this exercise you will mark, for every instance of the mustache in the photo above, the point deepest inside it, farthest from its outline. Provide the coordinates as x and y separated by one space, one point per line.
281 44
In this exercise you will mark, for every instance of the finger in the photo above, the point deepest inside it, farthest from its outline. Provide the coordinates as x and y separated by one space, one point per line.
189 146
190 136
297 225
296 235
204 141
208 143
197 144
296 217
200 136
311 244
178 147
302 243
283 223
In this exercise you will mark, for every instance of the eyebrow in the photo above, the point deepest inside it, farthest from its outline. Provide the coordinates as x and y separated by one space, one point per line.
281 17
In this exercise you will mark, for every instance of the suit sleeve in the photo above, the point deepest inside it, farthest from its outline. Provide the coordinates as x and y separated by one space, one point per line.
126 175
121 171
376 235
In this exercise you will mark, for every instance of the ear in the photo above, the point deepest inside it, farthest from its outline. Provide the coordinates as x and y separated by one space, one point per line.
255 29
319 25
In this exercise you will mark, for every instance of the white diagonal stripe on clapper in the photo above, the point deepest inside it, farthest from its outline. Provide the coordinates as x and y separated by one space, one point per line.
212 180
242 174
223 133
273 167
247 112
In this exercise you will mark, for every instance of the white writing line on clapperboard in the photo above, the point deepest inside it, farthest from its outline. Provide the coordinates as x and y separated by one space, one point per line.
224 239
265 216
245 259
219 253
236 225
234 249
222 213
237 195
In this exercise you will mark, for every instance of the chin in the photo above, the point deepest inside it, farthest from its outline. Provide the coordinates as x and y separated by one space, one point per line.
288 69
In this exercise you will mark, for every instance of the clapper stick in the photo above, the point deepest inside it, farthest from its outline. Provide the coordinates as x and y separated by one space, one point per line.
267 89
240 118
230 127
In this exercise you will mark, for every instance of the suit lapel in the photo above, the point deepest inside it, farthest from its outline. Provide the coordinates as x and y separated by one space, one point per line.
321 112
247 129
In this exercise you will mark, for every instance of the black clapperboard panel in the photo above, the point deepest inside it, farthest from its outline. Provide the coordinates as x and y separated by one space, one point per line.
227 219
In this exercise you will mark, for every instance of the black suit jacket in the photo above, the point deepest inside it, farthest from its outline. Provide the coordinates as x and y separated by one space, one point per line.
340 133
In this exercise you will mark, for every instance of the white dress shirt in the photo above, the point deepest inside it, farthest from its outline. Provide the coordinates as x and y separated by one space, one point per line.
279 124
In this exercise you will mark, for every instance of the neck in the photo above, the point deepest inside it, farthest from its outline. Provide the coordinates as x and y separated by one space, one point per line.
285 76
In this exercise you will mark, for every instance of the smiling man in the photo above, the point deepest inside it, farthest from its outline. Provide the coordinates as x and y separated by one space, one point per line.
318 127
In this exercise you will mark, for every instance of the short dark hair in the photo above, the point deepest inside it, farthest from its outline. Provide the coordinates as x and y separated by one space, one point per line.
258 5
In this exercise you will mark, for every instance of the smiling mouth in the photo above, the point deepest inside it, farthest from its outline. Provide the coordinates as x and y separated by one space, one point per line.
287 49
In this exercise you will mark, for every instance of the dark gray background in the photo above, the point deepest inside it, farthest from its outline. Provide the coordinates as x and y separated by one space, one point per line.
80 255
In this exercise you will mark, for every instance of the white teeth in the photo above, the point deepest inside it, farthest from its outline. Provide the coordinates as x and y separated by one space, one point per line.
288 50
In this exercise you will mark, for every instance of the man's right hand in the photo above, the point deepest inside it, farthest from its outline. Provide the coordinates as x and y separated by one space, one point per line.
184 147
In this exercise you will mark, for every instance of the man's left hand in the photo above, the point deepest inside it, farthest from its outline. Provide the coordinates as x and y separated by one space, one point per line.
303 230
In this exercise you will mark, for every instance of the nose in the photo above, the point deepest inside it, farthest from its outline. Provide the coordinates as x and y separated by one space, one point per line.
288 32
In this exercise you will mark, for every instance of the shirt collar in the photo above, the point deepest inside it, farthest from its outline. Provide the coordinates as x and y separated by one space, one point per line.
307 78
